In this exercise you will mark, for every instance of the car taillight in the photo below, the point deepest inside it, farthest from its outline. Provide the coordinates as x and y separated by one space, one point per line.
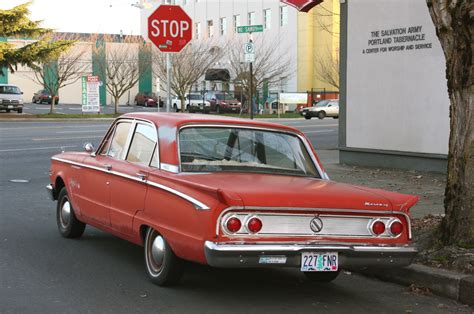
378 228
254 225
233 224
396 228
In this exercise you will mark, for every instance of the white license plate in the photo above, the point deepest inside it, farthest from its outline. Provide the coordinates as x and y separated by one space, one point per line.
320 261
10 107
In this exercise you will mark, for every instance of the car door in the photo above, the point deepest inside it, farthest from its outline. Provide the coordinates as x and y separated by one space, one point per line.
96 175
128 186
333 108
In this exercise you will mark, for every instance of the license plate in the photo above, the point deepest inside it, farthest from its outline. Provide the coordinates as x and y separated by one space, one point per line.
304 113
10 107
312 261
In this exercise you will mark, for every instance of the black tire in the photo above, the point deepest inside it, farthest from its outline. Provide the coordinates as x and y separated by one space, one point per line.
169 270
218 109
307 117
321 115
20 110
68 225
8 110
337 117
322 276
175 107
33 100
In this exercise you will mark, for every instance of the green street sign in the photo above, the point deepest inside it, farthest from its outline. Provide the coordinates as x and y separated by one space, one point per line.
250 29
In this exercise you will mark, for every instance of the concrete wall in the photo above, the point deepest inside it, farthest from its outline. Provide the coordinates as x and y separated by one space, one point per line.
396 98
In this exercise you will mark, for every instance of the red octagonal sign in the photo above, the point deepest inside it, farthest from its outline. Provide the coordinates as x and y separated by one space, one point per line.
170 28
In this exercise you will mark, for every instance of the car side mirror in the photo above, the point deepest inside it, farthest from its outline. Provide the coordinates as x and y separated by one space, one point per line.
88 147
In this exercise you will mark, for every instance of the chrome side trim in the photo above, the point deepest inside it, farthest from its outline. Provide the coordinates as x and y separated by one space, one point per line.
289 209
197 204
50 190
322 174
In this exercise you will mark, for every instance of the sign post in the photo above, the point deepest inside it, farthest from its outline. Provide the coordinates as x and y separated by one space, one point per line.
249 55
170 29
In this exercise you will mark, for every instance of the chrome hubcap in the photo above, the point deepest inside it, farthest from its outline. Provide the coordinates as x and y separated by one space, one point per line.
156 253
65 213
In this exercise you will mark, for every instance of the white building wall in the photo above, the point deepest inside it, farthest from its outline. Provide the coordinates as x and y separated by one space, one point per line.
284 38
396 100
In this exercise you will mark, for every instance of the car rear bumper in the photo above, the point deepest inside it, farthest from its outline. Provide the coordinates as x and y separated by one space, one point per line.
51 192
10 106
351 256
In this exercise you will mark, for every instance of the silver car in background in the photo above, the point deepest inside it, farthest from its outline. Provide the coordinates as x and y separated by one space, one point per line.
11 98
322 109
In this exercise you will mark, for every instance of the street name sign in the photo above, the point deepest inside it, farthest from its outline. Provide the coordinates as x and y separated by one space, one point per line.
170 28
250 29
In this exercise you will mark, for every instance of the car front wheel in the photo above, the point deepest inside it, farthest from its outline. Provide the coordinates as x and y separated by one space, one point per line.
322 276
307 117
164 268
68 225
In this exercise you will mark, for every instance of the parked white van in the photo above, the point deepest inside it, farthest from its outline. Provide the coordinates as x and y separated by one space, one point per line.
11 98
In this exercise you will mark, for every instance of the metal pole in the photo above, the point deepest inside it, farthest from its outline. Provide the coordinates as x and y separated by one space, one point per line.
251 91
168 81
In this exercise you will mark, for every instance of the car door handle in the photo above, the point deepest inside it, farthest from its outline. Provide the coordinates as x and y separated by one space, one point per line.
108 167
141 175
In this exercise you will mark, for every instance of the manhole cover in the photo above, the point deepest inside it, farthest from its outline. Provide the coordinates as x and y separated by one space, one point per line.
19 181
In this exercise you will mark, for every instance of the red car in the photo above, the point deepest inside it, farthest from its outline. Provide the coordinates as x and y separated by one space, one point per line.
43 96
228 193
147 100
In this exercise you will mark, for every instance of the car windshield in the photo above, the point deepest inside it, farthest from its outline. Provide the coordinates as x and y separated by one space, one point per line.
224 96
228 149
322 103
10 90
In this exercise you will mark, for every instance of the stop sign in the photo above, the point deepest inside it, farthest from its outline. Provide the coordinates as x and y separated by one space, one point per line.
170 28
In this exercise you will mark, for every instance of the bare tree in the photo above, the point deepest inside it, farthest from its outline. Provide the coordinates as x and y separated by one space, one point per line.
454 22
326 67
122 67
66 70
187 66
270 65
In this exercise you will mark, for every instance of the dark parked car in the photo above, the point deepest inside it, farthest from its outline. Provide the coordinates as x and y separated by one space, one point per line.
43 96
147 99
223 102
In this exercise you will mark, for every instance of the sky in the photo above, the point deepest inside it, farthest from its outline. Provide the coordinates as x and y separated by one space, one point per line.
84 16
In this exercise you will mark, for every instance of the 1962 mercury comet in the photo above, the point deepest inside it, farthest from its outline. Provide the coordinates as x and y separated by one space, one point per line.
228 193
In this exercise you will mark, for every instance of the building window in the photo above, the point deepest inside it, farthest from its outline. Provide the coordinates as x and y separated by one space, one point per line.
283 15
210 29
251 18
223 26
267 19
197 30
236 22
185 2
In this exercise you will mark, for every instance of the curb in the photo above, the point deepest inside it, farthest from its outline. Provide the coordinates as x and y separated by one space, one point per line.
445 283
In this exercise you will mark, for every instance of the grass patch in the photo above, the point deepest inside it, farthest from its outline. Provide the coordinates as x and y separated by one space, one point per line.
74 116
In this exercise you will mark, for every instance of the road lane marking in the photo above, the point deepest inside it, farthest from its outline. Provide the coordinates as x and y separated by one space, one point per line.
63 138
34 148
86 131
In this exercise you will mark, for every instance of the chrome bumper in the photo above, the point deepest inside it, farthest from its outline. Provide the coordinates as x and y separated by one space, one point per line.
50 190
350 256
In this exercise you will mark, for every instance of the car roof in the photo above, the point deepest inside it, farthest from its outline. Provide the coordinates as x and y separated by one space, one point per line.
181 119
1 84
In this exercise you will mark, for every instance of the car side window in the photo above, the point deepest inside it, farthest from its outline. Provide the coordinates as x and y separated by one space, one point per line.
119 140
143 144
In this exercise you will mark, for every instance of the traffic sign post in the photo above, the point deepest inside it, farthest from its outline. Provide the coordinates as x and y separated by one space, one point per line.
170 29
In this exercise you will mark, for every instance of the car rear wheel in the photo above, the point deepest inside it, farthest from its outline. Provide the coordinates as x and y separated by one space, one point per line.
20 110
8 110
321 115
218 109
163 267
307 117
336 117
322 276
68 225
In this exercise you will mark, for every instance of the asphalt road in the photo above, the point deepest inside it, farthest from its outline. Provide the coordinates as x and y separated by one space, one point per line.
42 272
